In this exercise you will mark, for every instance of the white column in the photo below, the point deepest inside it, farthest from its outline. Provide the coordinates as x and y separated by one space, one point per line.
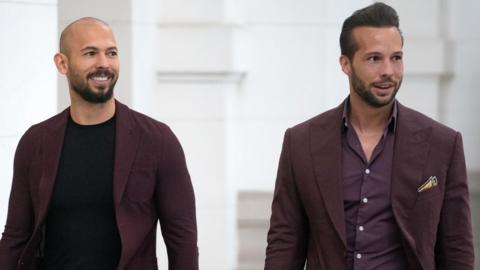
28 76
191 56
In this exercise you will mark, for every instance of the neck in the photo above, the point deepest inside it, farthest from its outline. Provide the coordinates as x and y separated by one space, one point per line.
87 113
368 119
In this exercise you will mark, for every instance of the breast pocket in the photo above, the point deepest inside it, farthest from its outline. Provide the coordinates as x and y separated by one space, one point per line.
141 182
426 211
428 205
430 194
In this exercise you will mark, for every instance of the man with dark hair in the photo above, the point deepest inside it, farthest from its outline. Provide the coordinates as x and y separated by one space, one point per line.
371 184
91 183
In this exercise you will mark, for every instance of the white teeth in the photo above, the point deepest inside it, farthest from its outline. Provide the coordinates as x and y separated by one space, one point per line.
100 78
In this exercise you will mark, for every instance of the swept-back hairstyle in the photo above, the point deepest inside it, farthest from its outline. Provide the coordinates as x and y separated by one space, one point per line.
376 15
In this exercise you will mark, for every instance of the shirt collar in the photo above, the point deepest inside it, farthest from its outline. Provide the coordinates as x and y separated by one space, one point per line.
392 121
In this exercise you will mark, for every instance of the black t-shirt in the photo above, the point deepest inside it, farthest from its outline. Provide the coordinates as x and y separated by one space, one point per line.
80 229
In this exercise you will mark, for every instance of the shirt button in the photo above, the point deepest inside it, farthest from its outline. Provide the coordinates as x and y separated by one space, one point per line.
367 171
365 200
361 228
359 256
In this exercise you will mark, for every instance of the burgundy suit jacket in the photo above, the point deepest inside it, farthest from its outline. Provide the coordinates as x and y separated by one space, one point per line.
150 183
307 225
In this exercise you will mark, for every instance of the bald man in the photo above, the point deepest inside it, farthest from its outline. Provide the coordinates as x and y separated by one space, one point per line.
90 184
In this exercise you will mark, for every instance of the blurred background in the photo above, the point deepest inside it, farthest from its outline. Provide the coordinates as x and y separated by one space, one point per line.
229 76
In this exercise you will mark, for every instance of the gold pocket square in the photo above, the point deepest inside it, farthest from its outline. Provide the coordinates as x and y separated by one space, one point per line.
430 183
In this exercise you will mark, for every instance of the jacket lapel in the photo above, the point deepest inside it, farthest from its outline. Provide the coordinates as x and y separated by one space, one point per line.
410 155
325 144
126 143
51 145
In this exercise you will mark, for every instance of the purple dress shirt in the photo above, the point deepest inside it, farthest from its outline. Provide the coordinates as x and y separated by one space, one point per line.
373 238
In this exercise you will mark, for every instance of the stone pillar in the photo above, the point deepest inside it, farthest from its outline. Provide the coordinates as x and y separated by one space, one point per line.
191 54
28 76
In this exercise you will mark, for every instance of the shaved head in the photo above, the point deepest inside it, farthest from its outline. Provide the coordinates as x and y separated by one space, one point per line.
66 35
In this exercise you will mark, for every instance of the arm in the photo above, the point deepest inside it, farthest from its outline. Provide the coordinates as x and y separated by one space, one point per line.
454 248
287 237
20 217
176 207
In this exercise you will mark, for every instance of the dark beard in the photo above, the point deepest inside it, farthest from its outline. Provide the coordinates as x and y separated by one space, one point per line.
361 89
88 95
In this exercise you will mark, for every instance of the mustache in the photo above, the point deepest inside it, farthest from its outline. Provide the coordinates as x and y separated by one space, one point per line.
101 73
386 80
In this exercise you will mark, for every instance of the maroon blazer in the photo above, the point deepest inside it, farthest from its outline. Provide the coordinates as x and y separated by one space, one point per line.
307 225
150 183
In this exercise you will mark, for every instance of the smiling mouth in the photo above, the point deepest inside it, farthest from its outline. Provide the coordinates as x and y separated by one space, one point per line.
100 78
101 81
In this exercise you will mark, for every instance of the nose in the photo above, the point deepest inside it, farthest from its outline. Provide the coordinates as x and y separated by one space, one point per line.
102 61
387 69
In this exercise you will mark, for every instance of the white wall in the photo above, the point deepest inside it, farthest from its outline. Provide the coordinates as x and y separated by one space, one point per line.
193 77
461 98
27 75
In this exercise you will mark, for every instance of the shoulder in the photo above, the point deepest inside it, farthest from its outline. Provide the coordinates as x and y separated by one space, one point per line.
148 126
31 141
418 120
37 131
417 127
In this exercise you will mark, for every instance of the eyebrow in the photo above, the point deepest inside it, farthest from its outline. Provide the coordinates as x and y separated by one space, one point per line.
96 49
379 53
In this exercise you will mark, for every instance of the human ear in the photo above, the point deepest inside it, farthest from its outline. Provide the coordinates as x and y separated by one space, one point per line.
346 65
61 62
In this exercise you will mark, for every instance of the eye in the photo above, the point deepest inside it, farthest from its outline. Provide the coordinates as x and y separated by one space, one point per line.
89 53
373 58
112 53
397 58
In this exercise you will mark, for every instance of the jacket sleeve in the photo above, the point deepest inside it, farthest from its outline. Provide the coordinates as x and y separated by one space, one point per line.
20 217
176 207
454 248
287 237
